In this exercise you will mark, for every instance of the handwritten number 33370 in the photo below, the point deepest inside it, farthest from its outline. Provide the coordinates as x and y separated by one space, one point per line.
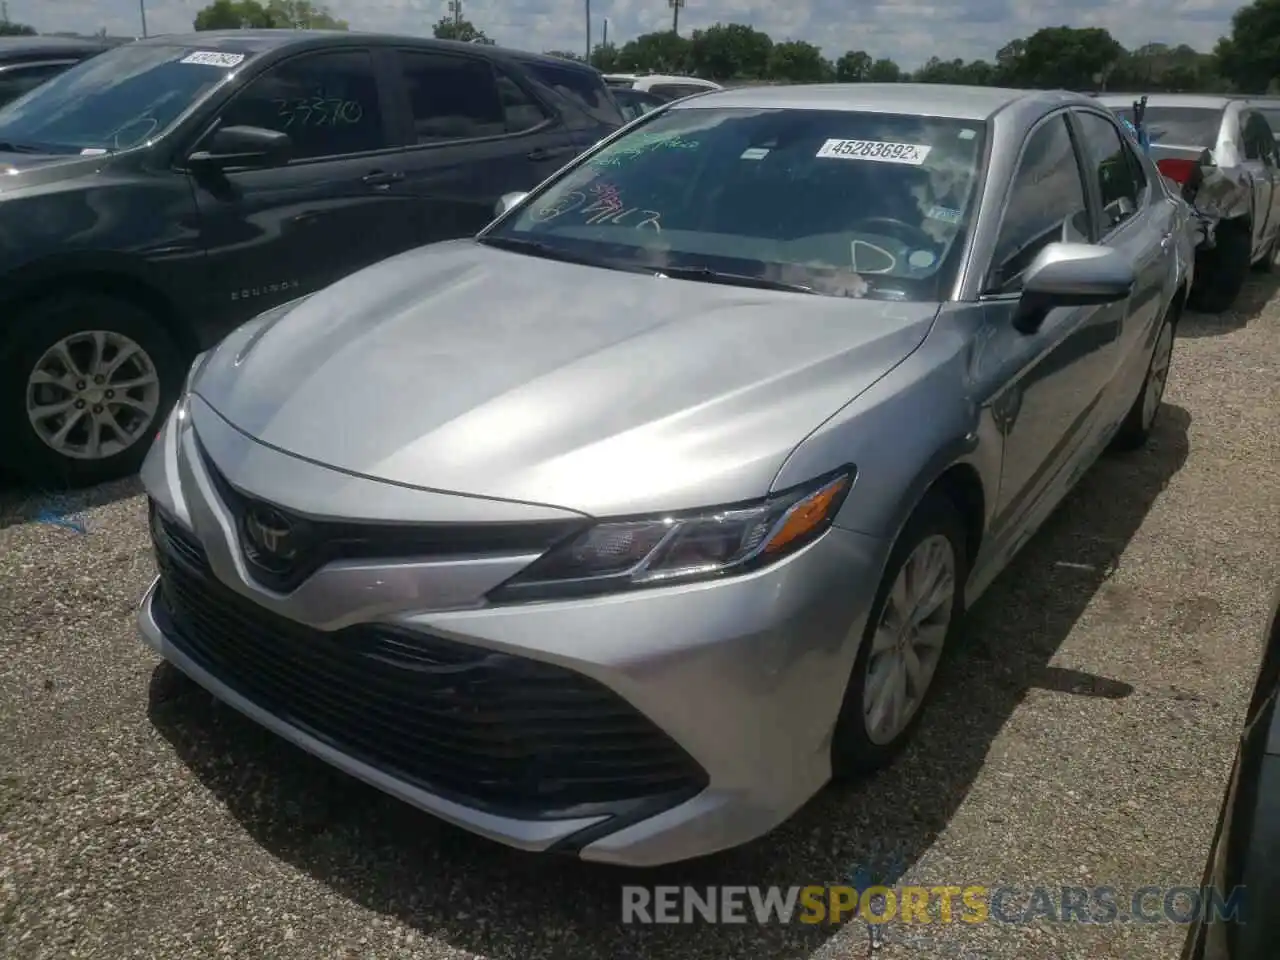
319 112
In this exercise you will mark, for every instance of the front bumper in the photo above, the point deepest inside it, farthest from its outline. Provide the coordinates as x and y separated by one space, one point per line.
744 675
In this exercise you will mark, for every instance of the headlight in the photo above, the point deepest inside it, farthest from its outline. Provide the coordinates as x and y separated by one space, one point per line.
652 551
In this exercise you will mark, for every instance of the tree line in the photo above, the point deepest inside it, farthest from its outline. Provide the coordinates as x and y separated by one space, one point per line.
1072 58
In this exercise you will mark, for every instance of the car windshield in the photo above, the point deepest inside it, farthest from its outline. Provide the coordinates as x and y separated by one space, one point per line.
115 100
1179 126
838 202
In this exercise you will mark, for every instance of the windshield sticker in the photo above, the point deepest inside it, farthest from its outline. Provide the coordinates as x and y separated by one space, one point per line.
93 151
967 134
945 214
214 58
881 151
921 259
641 144
754 153
601 203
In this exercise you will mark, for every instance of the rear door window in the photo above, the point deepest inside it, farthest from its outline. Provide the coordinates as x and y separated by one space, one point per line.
1111 162
1256 137
453 97
582 88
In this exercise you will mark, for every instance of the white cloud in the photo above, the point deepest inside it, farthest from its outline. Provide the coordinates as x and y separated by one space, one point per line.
909 31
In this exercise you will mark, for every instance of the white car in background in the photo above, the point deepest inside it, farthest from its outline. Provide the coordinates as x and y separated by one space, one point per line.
666 87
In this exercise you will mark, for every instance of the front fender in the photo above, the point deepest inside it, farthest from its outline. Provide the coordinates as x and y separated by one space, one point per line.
925 416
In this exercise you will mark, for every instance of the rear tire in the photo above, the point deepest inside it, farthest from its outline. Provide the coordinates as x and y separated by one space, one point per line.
1138 424
85 384
1221 271
1268 262
860 745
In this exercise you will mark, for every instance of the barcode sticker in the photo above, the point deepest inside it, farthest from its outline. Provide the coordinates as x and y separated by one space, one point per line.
213 58
880 151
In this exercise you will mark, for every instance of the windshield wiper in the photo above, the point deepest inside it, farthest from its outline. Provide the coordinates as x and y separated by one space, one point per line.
707 275
539 249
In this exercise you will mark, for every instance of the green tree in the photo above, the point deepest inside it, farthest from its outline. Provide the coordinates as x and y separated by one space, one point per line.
853 66
447 28
1250 57
796 61
605 58
237 14
661 52
1157 67
1061 57
233 15
732 51
10 29
884 70
303 15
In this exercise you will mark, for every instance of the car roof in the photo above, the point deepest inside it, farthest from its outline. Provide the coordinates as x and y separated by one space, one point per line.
267 41
1203 101
20 48
923 99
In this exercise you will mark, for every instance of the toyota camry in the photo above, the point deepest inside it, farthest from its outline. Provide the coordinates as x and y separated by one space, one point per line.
621 528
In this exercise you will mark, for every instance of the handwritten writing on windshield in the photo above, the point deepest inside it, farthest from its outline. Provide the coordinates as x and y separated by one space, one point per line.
319 112
639 145
599 203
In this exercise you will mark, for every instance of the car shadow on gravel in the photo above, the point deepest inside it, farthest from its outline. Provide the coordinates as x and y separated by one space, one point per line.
485 899
65 508
1259 290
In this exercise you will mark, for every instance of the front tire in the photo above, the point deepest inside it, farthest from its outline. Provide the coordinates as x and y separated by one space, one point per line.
914 615
84 385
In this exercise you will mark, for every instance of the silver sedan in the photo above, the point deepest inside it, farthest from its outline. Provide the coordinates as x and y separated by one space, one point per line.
623 527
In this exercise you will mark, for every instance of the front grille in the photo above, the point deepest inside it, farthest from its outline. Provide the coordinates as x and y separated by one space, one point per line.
505 734
325 541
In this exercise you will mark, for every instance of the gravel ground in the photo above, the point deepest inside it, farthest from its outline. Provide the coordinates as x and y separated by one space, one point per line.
1084 737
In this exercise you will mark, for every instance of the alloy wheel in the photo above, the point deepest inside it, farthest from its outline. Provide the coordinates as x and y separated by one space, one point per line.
93 395
907 644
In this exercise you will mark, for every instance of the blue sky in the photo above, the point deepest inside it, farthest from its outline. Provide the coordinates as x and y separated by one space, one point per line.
910 31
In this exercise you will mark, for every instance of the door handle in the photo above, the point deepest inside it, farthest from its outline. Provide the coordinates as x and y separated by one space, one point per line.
547 153
381 179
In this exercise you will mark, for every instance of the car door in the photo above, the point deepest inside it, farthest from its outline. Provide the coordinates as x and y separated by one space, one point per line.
277 233
474 133
1264 132
1058 373
1138 219
1258 157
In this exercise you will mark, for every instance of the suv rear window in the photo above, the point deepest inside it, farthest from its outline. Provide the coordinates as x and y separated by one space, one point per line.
582 87
1179 126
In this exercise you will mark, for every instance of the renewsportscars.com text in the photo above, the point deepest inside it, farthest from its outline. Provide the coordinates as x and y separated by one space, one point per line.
919 904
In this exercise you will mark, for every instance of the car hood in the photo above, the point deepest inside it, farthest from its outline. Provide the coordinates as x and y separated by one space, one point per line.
18 170
465 368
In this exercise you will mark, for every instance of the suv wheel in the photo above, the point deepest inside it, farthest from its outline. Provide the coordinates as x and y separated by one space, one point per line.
84 386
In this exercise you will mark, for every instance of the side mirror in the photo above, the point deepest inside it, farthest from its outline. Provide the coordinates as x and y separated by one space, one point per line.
508 201
1071 275
243 147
